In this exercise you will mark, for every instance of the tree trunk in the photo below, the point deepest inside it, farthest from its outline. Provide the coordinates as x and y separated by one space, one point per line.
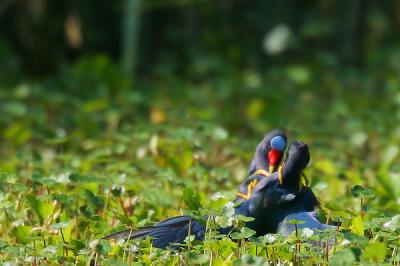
130 37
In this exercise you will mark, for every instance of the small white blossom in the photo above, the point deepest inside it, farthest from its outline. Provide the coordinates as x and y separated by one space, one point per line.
134 248
276 40
269 238
60 132
321 186
141 152
229 210
224 221
387 224
189 238
120 242
220 133
217 196
114 186
27 259
61 178
17 223
307 232
94 243
345 242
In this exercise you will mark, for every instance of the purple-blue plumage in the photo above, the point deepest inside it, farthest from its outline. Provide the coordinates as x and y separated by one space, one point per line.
270 204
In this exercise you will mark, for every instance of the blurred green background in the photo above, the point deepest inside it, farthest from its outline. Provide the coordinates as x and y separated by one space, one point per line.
115 113
187 88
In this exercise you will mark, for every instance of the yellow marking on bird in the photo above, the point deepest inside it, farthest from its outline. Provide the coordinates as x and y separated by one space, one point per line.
280 175
304 181
261 172
271 169
250 188
253 184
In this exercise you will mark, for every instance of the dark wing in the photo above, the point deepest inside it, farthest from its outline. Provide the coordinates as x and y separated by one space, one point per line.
266 182
165 233
308 199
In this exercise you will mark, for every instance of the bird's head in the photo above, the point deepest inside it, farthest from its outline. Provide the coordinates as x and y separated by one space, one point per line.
269 152
297 158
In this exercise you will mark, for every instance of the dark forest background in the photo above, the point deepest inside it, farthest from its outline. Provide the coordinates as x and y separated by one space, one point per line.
38 37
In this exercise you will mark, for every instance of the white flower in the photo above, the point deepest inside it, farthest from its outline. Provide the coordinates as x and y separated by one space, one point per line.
229 210
224 221
17 223
94 243
307 232
387 224
27 259
229 205
217 196
269 238
114 186
60 132
321 186
345 242
120 242
141 152
134 248
61 178
277 39
220 133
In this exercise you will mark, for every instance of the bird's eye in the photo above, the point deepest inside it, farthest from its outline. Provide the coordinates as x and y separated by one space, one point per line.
278 143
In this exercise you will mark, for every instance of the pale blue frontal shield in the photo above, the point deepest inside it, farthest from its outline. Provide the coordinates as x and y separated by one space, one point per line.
278 143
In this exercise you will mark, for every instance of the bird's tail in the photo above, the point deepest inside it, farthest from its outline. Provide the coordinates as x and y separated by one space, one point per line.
163 234
169 231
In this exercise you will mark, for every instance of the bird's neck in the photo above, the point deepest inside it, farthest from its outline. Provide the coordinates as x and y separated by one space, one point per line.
259 160
292 177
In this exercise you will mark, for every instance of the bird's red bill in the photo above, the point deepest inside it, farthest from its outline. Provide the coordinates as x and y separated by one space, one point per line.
273 157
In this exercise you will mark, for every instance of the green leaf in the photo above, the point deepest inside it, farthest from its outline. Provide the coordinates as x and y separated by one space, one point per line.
198 259
114 262
22 233
298 74
76 245
355 238
296 222
361 192
56 141
357 226
41 208
95 105
157 197
343 258
248 260
244 218
103 248
374 252
191 199
332 206
95 200
244 233
389 155
186 160
48 251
